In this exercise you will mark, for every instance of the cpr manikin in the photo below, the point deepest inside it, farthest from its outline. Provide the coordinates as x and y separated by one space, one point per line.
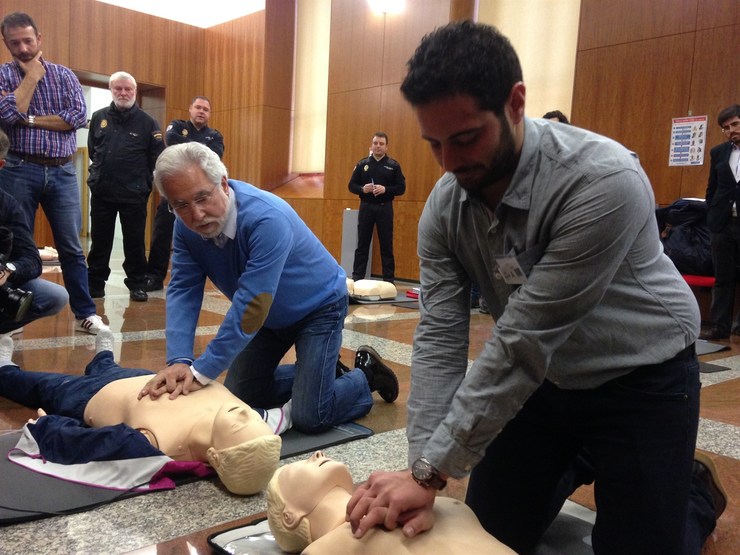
371 289
306 506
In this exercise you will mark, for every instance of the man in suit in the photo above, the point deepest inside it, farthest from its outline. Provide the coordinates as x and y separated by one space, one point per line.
723 197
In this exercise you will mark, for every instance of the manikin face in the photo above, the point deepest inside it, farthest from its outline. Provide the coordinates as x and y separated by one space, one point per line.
123 92
304 483
731 129
379 147
22 42
199 203
475 145
236 423
200 112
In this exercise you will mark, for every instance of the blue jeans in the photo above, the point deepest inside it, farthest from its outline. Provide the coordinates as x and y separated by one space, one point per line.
48 299
56 189
320 400
639 434
63 394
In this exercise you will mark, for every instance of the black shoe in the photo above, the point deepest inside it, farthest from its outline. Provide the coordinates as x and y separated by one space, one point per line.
97 293
706 473
153 284
138 295
714 333
342 368
380 377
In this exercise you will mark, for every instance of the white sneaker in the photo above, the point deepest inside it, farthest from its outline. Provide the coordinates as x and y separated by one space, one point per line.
104 340
92 325
6 349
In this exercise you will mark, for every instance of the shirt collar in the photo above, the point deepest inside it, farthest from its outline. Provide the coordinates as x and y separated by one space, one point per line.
229 231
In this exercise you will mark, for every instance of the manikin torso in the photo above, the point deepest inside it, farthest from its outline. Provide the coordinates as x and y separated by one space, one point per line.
180 428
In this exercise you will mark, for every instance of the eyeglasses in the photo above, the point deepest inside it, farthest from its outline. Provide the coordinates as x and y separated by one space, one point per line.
731 126
200 200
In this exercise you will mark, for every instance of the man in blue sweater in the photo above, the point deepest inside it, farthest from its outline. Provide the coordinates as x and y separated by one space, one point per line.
285 288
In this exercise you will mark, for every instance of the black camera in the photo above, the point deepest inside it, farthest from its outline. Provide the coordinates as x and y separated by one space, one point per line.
14 303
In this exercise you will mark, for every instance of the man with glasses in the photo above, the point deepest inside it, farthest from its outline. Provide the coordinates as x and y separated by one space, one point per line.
123 143
722 219
285 290
179 131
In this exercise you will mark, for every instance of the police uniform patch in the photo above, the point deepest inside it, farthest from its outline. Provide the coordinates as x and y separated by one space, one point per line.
366 167
157 135
104 124
184 132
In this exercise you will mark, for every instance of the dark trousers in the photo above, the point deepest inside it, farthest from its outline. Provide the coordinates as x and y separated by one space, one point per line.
725 258
161 246
380 215
639 434
102 230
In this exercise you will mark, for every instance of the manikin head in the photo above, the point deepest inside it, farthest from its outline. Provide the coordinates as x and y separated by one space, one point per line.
195 183
244 451
295 491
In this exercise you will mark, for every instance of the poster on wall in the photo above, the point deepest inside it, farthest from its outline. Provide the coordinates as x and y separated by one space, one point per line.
688 138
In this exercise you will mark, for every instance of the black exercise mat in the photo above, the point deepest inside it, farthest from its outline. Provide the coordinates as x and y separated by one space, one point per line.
42 496
408 304
707 368
704 347
399 297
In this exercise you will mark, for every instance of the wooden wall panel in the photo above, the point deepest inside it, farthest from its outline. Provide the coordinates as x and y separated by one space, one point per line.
275 143
352 118
355 50
52 18
608 22
405 232
711 91
280 25
105 39
403 35
311 211
240 129
333 216
234 62
633 102
185 75
413 153
716 13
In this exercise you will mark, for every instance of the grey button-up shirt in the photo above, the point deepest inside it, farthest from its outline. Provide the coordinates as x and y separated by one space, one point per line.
600 297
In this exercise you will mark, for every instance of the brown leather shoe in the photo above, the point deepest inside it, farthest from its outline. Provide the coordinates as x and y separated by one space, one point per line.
706 472
713 333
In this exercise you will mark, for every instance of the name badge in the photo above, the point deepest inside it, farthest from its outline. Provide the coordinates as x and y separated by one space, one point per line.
510 270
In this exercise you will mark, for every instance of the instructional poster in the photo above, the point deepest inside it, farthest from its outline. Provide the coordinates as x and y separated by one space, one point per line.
688 141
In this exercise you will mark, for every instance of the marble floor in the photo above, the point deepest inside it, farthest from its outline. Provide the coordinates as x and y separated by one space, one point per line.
180 520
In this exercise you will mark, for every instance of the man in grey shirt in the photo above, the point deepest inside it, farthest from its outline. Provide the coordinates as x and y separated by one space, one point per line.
592 353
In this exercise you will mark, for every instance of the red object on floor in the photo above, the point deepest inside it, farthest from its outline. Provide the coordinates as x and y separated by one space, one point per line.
698 281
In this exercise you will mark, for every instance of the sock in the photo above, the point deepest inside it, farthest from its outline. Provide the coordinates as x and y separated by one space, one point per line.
279 419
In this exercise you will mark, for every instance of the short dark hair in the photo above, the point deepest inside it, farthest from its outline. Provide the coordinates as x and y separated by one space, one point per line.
4 145
17 19
200 98
732 111
463 58
557 114
382 135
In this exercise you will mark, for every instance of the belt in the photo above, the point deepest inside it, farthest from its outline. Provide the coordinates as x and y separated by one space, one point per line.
43 160
688 352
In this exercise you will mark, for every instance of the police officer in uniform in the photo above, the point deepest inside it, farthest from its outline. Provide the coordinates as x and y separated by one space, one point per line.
179 131
377 179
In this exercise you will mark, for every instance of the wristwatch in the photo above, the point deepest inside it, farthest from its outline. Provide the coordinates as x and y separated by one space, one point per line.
426 475
31 120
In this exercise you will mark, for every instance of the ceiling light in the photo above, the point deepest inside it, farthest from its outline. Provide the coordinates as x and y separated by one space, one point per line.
192 12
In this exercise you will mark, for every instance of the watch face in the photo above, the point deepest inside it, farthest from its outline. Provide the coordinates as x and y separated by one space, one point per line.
422 470
10 266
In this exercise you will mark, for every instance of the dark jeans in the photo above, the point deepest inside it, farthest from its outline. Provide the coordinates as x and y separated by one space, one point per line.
725 258
320 400
161 245
63 394
102 230
639 432
370 215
